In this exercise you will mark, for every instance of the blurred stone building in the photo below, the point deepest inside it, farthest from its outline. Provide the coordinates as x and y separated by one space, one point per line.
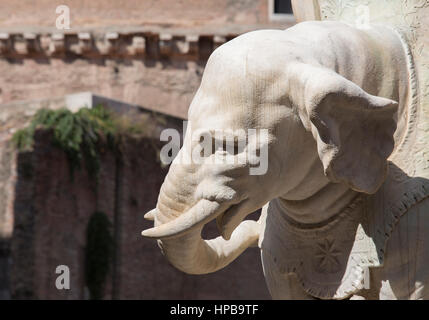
143 54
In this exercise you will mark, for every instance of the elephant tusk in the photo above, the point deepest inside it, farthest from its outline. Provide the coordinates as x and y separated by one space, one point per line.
201 213
150 215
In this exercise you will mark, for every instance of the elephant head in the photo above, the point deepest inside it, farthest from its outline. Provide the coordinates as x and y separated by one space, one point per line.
321 129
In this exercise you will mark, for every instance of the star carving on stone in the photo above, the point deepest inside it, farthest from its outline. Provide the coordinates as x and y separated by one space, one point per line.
327 256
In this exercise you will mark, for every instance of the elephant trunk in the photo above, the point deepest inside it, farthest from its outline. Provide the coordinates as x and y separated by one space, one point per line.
178 226
191 254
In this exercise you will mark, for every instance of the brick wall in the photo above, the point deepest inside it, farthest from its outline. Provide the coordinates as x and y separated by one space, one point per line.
52 212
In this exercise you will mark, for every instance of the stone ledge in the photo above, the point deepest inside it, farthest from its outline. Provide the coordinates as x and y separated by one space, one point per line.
74 102
120 41
87 44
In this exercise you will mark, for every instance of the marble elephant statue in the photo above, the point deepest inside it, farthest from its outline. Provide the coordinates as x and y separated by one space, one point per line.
341 218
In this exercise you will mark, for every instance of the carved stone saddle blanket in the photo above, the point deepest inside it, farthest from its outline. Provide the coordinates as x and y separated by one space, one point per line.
330 260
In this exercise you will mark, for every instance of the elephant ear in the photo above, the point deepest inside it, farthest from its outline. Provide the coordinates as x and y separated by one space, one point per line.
353 129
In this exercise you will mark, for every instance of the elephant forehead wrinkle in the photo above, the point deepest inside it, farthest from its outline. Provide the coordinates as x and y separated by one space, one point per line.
174 201
177 177
178 189
236 171
181 169
210 190
227 171
165 214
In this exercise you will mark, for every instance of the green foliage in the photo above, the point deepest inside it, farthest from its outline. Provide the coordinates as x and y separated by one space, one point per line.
98 255
77 134
23 139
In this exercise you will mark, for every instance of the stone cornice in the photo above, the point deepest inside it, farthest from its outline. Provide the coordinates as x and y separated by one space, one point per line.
153 41
109 44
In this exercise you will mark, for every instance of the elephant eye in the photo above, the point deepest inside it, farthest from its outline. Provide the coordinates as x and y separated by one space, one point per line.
211 142
208 145
232 145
